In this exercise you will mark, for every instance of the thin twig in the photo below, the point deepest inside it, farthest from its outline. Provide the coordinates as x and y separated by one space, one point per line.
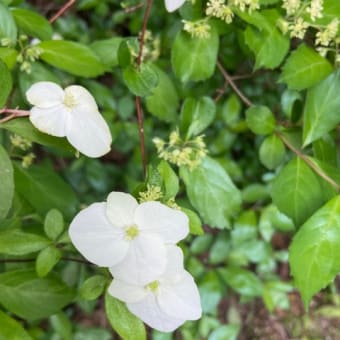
134 8
71 259
138 101
229 79
14 113
308 161
62 10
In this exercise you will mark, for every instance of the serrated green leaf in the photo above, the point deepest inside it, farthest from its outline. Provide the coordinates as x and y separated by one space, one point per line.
170 179
260 120
195 223
197 115
72 57
193 58
211 192
6 83
12 329
141 81
313 253
16 242
272 152
7 183
107 50
163 101
93 287
46 260
32 24
122 321
298 192
54 224
322 108
304 68
30 297
8 29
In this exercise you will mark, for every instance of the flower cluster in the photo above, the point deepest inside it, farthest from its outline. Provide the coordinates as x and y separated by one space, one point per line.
137 242
181 152
22 147
197 29
70 113
152 193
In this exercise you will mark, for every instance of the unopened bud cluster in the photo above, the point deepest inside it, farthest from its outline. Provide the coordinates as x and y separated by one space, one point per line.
27 56
197 29
223 10
152 193
180 152
23 144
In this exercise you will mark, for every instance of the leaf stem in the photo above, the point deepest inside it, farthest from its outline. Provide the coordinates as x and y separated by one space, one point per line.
70 259
62 10
231 82
138 101
308 161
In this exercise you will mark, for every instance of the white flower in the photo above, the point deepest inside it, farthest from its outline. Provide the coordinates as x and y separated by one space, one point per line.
70 113
172 5
167 302
129 238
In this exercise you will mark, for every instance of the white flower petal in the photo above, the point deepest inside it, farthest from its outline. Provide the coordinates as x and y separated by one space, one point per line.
174 267
45 94
172 5
181 300
120 209
52 120
171 224
144 262
127 292
88 131
96 238
148 310
81 97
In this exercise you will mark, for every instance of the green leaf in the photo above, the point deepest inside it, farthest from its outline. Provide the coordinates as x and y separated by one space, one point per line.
170 179
201 244
242 281
141 82
11 329
32 23
31 298
313 254
44 189
220 249
272 152
24 128
8 56
260 120
6 83
62 324
16 242
197 115
231 110
75 58
54 224
7 183
164 101
122 321
297 191
211 192
254 192
325 149
8 29
193 58
304 68
322 108
195 224
275 295
46 260
107 50
224 332
93 287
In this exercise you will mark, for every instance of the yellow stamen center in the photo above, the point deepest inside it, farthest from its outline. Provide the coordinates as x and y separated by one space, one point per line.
70 101
131 232
153 286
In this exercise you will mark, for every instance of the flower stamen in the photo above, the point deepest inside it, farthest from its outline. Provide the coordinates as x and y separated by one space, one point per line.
131 232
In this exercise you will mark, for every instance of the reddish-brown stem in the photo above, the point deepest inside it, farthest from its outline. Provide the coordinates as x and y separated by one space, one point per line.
71 259
138 101
62 10
133 8
231 82
14 113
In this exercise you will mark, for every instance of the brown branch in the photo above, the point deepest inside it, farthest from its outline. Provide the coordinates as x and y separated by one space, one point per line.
62 10
71 259
133 8
231 82
138 101
308 161
14 113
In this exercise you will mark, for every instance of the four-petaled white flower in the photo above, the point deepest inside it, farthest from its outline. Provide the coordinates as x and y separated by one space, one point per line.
165 303
70 113
128 238
172 5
